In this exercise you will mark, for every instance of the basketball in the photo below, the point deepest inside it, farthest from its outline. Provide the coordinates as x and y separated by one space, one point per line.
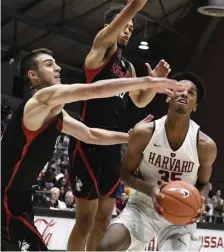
181 202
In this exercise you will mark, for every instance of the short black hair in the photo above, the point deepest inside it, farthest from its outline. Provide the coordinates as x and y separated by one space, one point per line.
28 62
194 79
112 13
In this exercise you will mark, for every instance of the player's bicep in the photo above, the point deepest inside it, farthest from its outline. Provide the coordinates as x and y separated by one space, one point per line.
207 152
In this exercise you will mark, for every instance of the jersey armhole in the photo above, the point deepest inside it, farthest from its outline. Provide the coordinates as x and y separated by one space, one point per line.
30 134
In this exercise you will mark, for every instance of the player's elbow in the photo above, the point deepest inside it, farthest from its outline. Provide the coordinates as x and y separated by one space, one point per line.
138 101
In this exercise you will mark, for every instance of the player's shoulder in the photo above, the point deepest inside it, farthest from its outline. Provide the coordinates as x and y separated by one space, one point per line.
143 129
205 143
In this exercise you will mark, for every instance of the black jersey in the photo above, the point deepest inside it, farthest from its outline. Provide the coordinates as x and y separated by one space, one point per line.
25 152
107 112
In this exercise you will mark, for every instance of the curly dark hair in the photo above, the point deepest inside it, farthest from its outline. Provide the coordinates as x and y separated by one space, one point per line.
194 79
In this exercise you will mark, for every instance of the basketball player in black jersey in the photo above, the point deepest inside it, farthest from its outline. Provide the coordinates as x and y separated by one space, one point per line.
98 168
29 138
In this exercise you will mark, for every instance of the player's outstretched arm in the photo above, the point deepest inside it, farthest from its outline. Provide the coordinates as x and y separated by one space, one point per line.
106 37
138 140
91 135
207 152
37 109
61 94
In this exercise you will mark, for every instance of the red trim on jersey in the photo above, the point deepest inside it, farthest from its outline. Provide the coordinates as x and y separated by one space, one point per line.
113 188
91 73
25 222
83 156
30 135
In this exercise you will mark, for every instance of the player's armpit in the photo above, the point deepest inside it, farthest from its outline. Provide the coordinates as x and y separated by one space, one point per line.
138 140
91 135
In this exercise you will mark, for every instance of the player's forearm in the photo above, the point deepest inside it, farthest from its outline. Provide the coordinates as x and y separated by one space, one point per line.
106 137
139 185
138 4
203 189
62 94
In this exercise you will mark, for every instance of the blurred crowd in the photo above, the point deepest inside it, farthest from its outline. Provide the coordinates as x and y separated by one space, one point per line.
6 114
214 208
54 191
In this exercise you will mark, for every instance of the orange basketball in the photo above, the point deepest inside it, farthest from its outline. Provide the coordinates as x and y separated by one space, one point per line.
181 202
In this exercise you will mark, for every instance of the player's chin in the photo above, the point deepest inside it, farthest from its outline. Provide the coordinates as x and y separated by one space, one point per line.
57 81
122 44
181 110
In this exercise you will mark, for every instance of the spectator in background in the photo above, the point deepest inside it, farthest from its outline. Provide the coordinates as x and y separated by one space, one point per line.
121 203
61 181
62 193
6 119
48 180
69 200
216 199
219 212
209 209
210 194
55 203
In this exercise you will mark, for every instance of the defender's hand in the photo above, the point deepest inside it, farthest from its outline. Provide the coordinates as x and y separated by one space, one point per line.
161 70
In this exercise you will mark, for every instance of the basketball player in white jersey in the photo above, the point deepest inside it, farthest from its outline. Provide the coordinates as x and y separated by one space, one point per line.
171 148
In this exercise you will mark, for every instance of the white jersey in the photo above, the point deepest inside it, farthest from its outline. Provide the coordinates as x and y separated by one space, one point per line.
161 164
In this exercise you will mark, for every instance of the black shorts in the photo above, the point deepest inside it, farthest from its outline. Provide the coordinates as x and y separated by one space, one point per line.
18 231
95 170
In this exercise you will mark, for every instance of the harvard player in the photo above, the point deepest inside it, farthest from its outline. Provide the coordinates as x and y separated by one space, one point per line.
29 138
98 168
171 148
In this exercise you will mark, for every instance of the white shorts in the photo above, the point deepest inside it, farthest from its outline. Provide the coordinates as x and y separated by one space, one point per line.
143 227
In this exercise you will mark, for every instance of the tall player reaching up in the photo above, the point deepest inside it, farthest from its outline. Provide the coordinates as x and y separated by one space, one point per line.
99 168
29 138
171 148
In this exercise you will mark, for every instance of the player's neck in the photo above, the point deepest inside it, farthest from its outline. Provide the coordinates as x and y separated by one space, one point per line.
177 122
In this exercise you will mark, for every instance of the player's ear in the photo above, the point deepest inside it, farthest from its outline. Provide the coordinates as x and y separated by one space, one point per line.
105 25
168 99
195 107
32 75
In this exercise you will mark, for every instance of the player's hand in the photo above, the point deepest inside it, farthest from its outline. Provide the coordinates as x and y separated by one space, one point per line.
161 70
156 195
149 118
164 85
200 211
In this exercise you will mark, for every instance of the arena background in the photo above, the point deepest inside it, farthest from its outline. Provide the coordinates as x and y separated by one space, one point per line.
174 30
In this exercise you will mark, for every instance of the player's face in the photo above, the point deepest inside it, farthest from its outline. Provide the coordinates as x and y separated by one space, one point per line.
184 102
123 38
47 72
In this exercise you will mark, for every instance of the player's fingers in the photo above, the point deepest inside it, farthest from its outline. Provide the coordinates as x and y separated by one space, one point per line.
158 208
168 92
202 199
149 69
149 118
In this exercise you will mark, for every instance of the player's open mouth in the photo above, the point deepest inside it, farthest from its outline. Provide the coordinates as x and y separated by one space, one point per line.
182 101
